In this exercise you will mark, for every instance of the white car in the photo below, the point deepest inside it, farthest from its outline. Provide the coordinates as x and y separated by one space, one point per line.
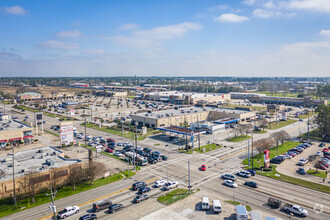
160 183
244 173
302 162
319 153
118 154
170 185
287 156
230 183
68 211
119 144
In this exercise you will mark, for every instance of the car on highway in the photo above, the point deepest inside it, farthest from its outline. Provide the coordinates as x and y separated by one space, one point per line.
301 171
302 162
68 211
101 205
140 198
229 177
115 207
203 167
244 173
144 190
138 185
160 183
230 183
253 172
88 217
251 184
164 158
170 185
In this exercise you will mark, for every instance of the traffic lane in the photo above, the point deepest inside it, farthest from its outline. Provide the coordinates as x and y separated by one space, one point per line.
80 198
257 200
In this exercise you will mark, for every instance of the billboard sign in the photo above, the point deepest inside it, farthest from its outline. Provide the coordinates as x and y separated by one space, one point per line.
66 133
72 112
266 158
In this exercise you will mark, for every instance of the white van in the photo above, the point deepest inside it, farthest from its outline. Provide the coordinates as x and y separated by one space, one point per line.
216 204
205 203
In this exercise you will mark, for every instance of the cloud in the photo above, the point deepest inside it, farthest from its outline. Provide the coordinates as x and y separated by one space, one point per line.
58 45
231 18
128 26
69 34
15 10
249 2
263 13
313 5
219 8
94 52
325 33
155 36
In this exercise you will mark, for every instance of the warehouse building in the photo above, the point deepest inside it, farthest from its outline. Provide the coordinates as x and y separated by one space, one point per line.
180 116
40 166
180 98
45 96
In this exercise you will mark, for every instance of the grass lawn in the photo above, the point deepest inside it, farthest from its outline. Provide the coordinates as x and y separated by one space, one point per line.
255 108
49 132
258 158
274 125
248 208
41 198
260 132
208 147
319 173
27 108
304 116
175 195
313 134
127 134
276 175
239 138
50 114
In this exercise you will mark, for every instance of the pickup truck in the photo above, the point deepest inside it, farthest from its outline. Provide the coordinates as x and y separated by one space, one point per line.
170 185
70 210
295 209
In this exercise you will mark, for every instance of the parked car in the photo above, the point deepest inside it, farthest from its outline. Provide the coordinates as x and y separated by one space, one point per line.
118 154
275 161
253 172
88 217
140 198
100 205
68 211
144 190
302 162
321 144
244 173
319 153
110 150
228 177
251 184
115 207
170 185
203 168
230 183
164 158
138 185
160 183
301 171
320 166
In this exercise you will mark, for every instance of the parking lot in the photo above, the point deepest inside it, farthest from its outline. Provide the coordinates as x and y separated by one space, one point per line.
290 166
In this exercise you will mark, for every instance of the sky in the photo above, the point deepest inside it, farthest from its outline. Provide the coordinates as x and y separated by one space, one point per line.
242 38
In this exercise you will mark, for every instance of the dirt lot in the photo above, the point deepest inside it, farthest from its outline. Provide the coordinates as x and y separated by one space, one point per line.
289 167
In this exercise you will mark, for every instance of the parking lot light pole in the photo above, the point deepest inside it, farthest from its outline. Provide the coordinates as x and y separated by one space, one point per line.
136 124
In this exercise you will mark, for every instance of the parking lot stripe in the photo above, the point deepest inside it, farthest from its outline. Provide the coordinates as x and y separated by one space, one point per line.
102 197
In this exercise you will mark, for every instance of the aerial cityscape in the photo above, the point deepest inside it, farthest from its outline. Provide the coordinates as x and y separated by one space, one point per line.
165 109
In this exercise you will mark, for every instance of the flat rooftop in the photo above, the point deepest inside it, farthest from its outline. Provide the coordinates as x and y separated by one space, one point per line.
178 93
33 160
187 111
12 125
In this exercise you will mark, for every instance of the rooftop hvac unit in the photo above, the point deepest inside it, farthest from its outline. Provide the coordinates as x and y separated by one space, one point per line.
50 162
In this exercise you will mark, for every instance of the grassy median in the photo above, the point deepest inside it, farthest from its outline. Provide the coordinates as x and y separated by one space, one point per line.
175 195
280 124
239 138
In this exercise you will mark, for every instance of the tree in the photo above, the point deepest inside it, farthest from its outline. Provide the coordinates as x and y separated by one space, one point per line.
276 138
94 170
54 181
263 123
262 144
322 119
240 129
247 129
284 136
34 181
75 176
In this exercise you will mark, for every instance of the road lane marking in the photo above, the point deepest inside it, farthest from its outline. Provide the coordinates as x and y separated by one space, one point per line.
102 197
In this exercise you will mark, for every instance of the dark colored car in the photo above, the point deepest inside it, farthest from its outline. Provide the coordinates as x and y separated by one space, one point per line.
253 173
301 171
115 207
164 157
100 205
138 185
144 190
110 140
321 144
88 217
147 150
275 161
251 184
156 153
151 160
140 198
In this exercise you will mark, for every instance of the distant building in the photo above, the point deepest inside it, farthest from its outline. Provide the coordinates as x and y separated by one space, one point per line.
80 85
13 132
45 96
110 93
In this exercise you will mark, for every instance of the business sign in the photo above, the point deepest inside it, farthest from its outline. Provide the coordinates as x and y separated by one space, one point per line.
66 133
266 158
72 112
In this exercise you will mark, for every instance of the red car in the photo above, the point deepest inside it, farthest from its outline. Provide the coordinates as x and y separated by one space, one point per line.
203 168
109 150
326 150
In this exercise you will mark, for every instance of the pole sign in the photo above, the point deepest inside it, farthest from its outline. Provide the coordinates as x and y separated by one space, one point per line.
72 112
266 158
66 133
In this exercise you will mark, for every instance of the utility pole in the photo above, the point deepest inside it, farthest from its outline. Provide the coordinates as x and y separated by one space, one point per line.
252 148
13 165
199 136
308 128
189 176
136 124
90 153
249 152
52 205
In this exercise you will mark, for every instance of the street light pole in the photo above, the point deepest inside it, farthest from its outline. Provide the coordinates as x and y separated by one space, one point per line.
52 205
189 176
13 165
136 124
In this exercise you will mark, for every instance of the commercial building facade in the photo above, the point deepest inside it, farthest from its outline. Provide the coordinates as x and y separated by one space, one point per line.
34 96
